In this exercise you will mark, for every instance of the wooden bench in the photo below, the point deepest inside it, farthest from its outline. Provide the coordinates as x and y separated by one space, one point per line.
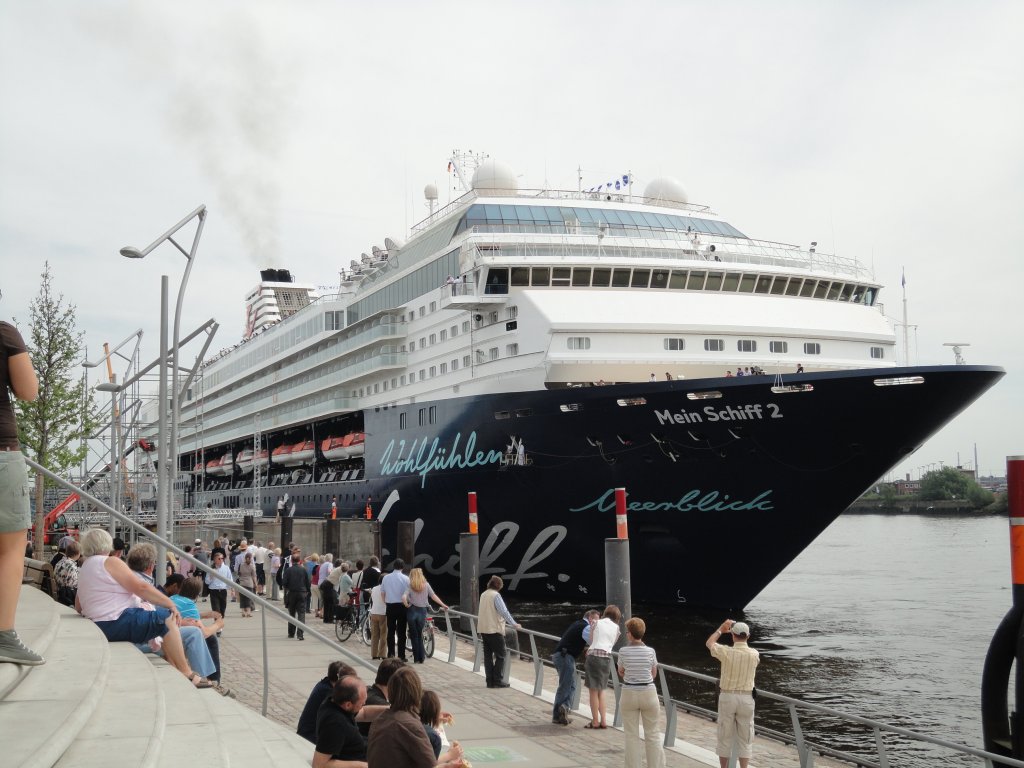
40 575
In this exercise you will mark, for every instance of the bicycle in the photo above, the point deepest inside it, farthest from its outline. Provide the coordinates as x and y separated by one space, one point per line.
428 637
352 617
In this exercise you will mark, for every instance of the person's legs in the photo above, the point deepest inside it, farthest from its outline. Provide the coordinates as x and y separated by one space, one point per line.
630 704
726 726
213 646
744 728
196 652
500 651
300 614
174 649
566 666
12 554
393 610
601 705
416 620
401 626
378 636
650 711
487 640
292 604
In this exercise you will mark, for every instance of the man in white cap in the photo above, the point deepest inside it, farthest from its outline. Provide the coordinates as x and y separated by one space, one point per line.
735 699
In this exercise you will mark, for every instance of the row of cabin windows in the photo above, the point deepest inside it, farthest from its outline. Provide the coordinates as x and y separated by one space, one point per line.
425 417
686 279
676 344
511 350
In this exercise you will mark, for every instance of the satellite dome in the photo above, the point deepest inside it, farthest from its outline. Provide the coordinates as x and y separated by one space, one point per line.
430 192
495 178
665 189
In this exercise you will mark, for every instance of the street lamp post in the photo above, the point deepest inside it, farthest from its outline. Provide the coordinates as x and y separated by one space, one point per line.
167 473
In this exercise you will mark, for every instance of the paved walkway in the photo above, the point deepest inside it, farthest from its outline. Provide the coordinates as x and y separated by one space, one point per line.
495 726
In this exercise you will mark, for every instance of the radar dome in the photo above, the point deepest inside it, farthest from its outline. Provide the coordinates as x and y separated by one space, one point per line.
494 177
665 189
430 192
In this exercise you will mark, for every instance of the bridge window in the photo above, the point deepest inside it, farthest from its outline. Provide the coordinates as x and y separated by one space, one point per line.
812 348
877 353
746 345
579 342
778 347
675 345
714 345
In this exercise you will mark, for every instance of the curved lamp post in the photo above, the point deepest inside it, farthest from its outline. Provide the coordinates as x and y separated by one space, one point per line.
166 473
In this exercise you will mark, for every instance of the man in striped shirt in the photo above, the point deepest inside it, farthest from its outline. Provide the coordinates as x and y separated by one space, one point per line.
735 700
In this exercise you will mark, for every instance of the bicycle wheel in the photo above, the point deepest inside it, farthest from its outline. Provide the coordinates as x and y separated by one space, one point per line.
343 628
428 640
364 629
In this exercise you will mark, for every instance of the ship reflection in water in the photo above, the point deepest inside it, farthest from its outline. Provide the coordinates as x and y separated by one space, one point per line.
885 617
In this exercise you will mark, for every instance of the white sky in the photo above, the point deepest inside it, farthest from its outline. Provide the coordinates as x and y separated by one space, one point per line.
889 131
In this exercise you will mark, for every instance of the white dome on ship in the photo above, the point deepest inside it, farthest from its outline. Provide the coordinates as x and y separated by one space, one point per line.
494 177
666 189
430 192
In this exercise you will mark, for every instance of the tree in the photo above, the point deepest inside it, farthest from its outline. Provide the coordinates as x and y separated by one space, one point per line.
950 483
52 428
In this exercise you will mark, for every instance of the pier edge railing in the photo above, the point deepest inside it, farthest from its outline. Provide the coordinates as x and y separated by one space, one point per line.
805 748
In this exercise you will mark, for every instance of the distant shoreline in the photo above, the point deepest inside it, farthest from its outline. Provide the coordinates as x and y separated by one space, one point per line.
918 507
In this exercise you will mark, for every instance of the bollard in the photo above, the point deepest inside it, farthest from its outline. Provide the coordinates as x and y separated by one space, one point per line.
1002 729
473 519
286 534
332 537
616 577
407 541
469 577
248 529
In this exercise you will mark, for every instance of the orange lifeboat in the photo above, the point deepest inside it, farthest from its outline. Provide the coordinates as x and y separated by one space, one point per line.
356 444
334 448
301 453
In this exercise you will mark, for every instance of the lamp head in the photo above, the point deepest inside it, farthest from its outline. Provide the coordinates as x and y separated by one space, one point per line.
107 386
130 252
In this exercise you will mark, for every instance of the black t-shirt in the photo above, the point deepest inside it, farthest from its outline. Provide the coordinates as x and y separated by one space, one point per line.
374 695
11 344
572 641
371 578
337 734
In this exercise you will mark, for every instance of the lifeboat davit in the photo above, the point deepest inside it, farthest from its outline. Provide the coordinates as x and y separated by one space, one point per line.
301 453
334 449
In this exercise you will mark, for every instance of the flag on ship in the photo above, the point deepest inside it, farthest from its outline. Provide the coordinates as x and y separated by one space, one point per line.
617 183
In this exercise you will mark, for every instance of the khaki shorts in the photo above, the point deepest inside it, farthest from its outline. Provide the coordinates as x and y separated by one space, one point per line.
14 508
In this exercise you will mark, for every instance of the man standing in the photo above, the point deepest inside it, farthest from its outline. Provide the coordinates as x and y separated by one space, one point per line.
392 589
259 557
334 508
339 741
491 625
735 701
565 656
219 585
296 592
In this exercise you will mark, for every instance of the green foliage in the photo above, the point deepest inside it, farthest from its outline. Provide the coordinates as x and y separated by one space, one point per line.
887 494
949 483
51 429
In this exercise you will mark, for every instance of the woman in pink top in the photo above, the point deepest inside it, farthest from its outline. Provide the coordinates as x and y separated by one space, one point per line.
112 596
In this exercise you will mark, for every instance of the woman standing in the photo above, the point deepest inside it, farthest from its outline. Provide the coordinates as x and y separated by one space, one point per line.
397 737
18 376
604 633
638 665
275 566
247 579
415 599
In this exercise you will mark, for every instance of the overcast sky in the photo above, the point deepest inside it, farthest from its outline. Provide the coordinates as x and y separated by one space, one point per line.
886 131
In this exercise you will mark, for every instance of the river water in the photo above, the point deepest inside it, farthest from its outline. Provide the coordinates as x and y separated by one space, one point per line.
886 617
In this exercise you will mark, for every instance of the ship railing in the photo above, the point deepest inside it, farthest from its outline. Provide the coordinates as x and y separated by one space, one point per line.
801 714
727 250
266 607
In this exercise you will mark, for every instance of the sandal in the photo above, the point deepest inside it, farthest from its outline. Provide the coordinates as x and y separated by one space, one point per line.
592 726
200 682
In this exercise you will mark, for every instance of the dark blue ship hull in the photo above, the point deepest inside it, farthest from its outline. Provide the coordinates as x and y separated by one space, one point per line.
727 479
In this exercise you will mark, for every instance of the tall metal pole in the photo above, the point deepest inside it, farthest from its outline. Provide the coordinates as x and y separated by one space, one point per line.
906 340
113 460
176 401
163 471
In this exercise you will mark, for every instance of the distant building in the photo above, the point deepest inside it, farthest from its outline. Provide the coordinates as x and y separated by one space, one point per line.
907 487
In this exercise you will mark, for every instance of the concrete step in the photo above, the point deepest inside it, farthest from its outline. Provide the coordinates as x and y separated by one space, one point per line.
45 713
36 620
130 715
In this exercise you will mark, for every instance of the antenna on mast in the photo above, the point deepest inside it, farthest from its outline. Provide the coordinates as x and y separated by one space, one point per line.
956 351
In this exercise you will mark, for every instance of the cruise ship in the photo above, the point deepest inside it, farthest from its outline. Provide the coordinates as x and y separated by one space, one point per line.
543 347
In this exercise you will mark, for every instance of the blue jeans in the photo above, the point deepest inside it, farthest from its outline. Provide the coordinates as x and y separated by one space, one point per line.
416 619
566 666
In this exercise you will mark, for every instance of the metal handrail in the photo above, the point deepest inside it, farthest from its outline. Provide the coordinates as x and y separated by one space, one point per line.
266 605
804 748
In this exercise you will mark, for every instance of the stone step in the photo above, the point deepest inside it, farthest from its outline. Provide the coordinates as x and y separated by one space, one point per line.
36 620
130 715
44 715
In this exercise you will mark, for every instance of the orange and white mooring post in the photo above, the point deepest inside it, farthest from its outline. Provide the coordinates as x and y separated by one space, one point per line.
621 528
473 519
1015 506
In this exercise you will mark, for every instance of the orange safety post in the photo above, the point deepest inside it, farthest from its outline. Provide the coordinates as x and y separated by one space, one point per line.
1015 505
473 519
621 530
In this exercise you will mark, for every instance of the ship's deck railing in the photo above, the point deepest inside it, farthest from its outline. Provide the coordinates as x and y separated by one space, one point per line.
727 250
872 731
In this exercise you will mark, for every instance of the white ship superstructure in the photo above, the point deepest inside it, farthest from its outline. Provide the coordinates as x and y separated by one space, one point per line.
516 290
